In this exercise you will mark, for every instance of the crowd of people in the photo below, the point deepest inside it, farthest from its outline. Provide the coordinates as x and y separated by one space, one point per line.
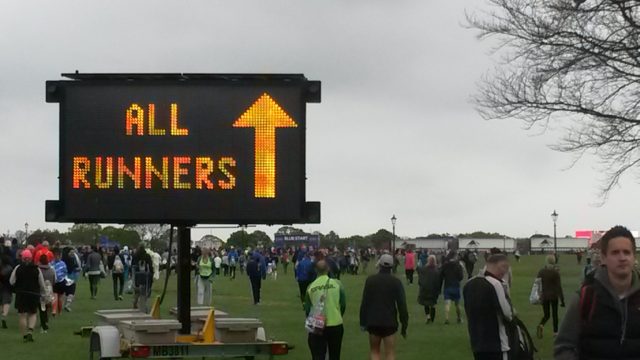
41 282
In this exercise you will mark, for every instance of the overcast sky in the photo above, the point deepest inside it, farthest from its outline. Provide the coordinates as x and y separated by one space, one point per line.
395 132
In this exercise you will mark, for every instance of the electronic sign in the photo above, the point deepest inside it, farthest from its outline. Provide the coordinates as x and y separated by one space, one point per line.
182 148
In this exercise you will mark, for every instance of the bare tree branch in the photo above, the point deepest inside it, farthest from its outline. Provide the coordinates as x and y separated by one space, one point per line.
572 63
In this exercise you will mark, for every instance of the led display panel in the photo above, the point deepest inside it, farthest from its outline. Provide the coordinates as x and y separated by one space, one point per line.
182 149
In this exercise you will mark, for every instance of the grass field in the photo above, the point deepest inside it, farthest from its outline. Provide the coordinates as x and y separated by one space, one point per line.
282 316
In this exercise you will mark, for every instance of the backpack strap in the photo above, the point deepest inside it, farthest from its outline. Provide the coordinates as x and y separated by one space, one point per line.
587 303
527 340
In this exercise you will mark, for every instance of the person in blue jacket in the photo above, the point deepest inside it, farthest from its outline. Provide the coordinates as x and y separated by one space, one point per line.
305 274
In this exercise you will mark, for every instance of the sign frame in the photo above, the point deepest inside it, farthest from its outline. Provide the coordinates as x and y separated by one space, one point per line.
55 92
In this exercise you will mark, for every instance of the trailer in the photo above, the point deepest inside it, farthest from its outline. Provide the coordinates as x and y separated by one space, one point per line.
131 334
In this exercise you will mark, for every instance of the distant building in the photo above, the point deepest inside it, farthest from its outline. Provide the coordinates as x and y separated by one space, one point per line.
546 245
210 242
506 244
425 243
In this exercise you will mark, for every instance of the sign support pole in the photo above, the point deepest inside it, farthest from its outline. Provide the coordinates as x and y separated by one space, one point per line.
184 278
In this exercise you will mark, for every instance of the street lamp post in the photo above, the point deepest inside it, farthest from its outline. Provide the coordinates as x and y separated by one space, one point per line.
26 231
393 242
554 217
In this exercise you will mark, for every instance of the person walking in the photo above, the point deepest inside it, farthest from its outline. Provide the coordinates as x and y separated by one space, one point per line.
469 259
285 261
551 292
601 322
28 284
429 282
217 261
42 249
204 266
48 296
489 310
74 268
409 265
328 295
383 300
142 272
305 274
6 268
365 260
451 275
60 284
95 270
255 277
233 262
117 266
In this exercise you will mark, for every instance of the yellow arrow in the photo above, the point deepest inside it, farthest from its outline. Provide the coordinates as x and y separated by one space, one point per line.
265 115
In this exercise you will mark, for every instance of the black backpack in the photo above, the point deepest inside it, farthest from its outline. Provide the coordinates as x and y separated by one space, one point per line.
520 341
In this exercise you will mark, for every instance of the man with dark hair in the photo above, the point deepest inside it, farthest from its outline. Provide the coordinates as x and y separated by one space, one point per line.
603 321
488 310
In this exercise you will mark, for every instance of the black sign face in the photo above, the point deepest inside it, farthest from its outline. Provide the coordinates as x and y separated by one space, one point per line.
182 151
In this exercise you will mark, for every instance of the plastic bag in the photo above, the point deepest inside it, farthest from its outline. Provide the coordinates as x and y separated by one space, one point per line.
316 320
536 292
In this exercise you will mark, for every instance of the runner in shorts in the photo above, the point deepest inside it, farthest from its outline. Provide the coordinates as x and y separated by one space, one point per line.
60 286
451 275
383 299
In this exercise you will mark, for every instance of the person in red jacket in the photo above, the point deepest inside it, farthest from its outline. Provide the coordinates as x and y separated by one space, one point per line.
42 249
409 265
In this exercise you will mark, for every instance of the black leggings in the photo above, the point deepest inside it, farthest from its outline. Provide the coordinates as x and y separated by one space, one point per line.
553 306
256 284
44 317
93 284
117 290
302 286
409 274
430 311
330 339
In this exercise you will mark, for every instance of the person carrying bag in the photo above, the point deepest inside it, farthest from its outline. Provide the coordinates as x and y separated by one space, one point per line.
324 305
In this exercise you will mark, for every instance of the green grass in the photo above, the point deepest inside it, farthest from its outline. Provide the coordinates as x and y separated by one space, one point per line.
281 313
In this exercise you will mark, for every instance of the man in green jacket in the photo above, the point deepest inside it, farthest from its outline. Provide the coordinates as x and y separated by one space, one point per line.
328 294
